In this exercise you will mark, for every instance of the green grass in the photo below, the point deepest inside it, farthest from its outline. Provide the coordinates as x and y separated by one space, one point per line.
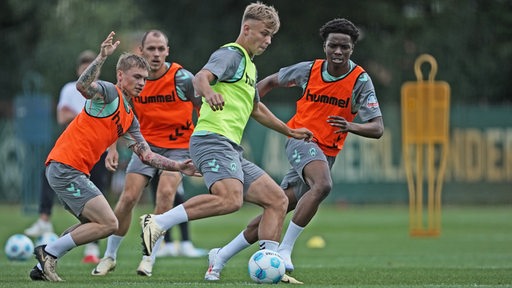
367 246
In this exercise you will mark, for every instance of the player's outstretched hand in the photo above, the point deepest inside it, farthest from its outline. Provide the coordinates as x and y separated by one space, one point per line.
302 134
188 168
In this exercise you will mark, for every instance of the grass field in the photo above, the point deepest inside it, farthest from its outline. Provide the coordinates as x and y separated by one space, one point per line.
367 246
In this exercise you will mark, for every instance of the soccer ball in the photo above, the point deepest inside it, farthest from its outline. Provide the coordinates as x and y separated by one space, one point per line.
19 247
46 238
266 266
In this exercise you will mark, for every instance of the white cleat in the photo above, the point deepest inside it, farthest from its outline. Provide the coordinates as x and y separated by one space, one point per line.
150 233
167 249
187 249
106 265
39 228
287 262
212 274
145 267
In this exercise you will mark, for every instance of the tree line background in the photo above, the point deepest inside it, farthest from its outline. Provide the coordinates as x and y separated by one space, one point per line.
471 40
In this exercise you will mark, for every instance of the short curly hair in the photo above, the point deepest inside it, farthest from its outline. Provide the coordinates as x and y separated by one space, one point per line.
340 25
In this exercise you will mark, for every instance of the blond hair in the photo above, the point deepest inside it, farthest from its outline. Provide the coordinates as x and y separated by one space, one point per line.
265 13
129 60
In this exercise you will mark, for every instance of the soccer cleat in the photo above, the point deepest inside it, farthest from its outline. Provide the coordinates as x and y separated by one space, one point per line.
150 233
187 249
91 253
106 265
213 274
48 263
37 275
290 280
145 267
167 249
287 262
39 228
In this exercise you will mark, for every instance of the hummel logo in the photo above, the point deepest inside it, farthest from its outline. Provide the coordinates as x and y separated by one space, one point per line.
296 156
213 164
71 188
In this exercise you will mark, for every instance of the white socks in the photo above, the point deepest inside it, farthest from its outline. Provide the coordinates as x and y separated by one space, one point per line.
268 244
172 217
113 243
61 246
229 250
292 233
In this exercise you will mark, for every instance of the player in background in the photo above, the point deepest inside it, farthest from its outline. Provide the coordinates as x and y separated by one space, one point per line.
71 102
164 109
334 91
228 84
106 117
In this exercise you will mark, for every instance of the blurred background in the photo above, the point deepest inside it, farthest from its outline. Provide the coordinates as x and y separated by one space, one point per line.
471 41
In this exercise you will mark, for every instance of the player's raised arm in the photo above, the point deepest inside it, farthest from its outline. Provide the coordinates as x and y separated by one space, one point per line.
86 82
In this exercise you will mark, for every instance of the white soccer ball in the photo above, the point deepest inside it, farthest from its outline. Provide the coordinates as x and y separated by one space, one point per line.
266 266
19 247
45 239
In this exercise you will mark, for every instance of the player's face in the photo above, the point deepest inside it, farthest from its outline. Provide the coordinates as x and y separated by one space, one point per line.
258 36
338 47
155 50
133 80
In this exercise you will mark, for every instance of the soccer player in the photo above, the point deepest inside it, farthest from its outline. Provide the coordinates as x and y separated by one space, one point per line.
106 117
334 91
71 102
228 84
164 109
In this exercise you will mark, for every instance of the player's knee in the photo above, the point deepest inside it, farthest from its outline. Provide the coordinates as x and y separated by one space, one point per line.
110 226
322 189
281 202
232 205
129 200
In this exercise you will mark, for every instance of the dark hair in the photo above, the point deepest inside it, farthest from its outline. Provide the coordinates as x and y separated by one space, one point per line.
340 25
155 33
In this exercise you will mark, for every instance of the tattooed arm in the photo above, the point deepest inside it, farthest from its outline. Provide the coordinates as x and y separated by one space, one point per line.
86 82
158 161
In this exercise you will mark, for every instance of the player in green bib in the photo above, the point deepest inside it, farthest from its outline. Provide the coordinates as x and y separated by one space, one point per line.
227 84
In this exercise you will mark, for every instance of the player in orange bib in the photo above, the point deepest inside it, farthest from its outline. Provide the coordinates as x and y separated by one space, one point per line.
164 109
106 117
334 91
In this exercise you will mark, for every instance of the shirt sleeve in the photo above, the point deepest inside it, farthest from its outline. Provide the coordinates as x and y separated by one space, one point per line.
185 88
366 104
109 91
295 75
225 63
